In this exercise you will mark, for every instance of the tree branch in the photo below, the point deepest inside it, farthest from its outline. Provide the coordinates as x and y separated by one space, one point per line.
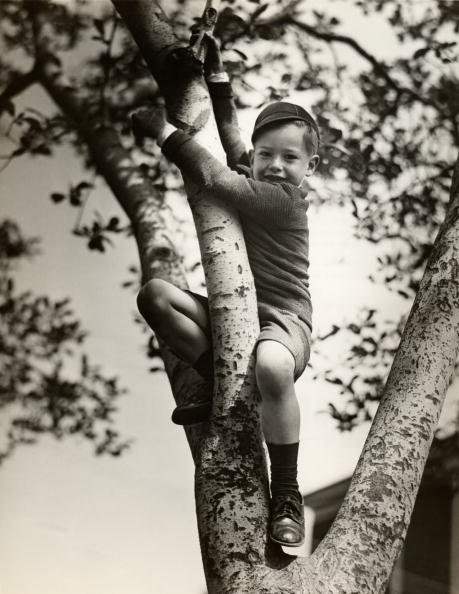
378 66
368 533
134 192
171 63
286 17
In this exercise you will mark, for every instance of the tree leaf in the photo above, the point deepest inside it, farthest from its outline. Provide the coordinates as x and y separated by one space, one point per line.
113 224
75 197
99 25
243 56
84 185
334 380
57 197
96 243
421 52
260 10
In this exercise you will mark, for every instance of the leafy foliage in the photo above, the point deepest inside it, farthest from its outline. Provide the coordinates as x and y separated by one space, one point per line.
371 347
47 384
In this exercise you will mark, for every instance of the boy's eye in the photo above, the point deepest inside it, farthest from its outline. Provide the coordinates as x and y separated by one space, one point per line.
291 157
264 154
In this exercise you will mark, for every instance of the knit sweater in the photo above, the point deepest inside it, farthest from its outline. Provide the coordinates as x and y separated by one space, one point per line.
273 216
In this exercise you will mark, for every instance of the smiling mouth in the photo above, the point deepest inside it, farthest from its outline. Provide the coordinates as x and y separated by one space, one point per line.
274 178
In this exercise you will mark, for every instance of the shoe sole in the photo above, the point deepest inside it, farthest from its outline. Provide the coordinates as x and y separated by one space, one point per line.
192 414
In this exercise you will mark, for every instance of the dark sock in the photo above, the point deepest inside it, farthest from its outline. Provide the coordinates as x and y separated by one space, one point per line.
204 365
284 468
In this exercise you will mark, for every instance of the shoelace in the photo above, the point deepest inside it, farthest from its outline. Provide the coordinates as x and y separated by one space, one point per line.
286 506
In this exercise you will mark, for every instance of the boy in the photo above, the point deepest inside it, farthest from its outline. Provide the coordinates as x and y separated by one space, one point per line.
272 208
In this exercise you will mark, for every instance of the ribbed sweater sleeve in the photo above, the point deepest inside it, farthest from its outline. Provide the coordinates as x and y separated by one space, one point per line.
275 204
225 113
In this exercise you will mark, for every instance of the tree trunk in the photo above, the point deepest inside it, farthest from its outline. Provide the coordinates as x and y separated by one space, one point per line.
231 478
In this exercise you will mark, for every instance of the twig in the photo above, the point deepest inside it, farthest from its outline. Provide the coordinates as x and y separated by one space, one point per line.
103 99
378 66
9 159
206 25
83 206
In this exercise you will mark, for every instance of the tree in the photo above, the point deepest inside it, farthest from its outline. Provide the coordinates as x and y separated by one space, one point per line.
143 205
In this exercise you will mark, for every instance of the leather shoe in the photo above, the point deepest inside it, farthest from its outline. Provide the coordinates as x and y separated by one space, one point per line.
287 520
191 413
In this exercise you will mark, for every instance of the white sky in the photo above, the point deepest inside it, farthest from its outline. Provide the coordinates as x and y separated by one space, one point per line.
72 523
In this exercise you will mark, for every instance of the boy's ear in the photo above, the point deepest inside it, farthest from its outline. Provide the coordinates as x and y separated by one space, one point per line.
312 165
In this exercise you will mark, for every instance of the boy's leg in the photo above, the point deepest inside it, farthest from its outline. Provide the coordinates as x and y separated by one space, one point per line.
182 321
177 317
280 410
281 427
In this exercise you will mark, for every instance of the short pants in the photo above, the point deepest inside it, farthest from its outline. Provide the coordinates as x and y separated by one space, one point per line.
281 326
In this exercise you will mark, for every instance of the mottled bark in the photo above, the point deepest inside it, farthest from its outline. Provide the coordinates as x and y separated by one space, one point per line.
231 481
231 478
169 61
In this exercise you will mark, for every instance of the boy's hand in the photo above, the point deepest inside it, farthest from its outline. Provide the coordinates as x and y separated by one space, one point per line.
213 63
149 123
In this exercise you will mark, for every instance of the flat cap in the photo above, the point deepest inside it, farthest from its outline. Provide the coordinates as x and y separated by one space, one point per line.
282 111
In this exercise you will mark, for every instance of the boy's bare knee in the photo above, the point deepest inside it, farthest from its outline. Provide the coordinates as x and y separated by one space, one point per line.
274 369
152 299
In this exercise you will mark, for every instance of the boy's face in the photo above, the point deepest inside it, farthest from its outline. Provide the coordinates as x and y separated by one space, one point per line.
280 155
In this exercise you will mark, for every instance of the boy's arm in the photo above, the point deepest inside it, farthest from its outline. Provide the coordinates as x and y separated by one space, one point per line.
225 112
276 204
223 104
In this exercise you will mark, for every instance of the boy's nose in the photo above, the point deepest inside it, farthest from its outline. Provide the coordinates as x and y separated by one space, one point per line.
276 164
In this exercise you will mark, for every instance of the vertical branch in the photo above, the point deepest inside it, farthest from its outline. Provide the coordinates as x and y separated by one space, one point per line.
231 477
133 191
365 540
171 63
